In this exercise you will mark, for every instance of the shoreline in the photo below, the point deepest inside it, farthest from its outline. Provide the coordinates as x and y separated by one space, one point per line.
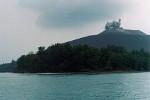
90 73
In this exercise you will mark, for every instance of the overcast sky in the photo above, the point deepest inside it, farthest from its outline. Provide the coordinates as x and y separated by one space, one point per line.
27 24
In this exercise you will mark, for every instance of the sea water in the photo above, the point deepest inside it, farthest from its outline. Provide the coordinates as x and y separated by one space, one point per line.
115 86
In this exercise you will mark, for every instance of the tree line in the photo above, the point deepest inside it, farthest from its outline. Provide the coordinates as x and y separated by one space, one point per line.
82 58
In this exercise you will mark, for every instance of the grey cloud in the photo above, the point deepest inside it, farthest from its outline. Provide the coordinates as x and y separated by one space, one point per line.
70 13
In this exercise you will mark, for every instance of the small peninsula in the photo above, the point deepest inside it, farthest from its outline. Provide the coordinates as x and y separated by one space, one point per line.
64 58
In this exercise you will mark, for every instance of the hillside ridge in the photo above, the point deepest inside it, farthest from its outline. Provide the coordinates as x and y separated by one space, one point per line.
130 39
123 31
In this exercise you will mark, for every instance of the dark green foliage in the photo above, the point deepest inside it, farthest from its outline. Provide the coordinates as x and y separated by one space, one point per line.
8 67
67 58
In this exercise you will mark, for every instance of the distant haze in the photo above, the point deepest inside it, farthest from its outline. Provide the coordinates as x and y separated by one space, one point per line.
27 24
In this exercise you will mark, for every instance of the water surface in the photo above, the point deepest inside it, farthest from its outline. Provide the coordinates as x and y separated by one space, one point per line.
125 86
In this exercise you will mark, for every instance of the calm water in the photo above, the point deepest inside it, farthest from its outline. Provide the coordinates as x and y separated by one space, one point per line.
133 86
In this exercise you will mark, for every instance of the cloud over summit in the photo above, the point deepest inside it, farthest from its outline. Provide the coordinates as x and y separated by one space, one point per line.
71 13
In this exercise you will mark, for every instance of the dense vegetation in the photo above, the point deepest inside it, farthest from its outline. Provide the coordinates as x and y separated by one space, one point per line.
82 58
8 67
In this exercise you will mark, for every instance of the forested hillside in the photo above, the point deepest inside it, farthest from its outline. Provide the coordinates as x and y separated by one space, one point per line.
82 58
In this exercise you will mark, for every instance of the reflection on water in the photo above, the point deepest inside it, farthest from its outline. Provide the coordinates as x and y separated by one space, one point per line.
127 86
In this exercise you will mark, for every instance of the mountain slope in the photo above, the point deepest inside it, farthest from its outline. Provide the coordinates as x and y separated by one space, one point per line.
130 39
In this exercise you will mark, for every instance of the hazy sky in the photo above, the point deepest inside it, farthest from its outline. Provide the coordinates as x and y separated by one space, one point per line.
27 24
